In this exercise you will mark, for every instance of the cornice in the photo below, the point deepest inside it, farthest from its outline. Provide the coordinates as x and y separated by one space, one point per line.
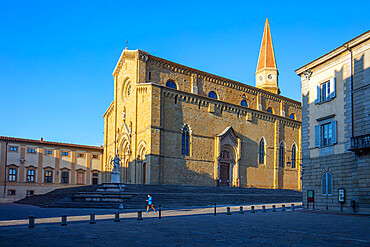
337 51
175 67
225 106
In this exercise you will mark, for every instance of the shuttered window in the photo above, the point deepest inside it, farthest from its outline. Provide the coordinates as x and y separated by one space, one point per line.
325 91
326 134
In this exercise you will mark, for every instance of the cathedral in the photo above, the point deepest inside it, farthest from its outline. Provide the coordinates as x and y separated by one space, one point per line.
172 124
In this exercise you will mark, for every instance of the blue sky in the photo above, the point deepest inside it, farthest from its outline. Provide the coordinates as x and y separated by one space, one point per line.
57 57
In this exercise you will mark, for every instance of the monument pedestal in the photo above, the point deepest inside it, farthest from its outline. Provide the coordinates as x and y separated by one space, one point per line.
115 177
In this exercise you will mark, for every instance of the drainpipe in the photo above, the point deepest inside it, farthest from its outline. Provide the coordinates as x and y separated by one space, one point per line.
6 163
352 118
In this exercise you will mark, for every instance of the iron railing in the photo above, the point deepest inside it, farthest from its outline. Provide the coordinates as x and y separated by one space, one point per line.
360 142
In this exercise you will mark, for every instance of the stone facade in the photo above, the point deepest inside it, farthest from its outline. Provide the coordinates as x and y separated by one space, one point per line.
346 70
147 121
30 167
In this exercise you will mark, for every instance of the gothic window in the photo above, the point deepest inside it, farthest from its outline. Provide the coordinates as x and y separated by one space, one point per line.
185 141
128 90
269 110
327 184
171 84
212 95
244 103
294 156
225 155
292 116
261 153
281 154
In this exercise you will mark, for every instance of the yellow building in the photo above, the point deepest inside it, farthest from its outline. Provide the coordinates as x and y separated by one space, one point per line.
172 124
29 167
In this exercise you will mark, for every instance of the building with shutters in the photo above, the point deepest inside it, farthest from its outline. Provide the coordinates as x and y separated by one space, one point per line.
336 126
173 124
29 167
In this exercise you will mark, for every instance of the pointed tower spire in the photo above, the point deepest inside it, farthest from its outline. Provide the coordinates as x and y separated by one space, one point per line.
267 73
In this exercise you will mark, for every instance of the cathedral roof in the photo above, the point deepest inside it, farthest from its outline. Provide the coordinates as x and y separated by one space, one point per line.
266 58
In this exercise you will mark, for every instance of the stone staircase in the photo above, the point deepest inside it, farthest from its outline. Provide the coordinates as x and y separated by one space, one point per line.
172 196
169 196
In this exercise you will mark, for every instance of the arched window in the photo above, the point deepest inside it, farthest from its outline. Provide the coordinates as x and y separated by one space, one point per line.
292 116
269 110
185 141
225 155
212 95
294 156
281 154
128 90
261 153
171 84
244 103
327 184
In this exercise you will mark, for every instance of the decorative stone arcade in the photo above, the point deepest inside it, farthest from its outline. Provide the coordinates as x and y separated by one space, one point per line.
227 158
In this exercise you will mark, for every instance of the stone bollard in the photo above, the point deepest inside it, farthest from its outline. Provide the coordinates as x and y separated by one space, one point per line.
160 212
64 220
292 207
92 218
31 222
252 209
214 212
241 210
283 208
273 208
116 217
264 209
228 211
139 215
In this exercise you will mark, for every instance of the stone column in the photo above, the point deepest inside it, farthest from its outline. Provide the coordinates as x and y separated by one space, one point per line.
217 153
237 167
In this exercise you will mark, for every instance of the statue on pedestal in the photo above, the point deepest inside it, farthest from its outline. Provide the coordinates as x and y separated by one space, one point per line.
115 174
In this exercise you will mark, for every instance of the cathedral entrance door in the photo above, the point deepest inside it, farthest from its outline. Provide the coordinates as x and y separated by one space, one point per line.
224 174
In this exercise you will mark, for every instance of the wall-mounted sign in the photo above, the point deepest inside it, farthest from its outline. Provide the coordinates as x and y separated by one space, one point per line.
341 195
310 195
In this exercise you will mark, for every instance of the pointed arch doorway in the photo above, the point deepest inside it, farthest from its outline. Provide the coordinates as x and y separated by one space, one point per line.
225 168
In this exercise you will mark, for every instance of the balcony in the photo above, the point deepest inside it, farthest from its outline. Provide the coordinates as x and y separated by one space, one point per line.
360 143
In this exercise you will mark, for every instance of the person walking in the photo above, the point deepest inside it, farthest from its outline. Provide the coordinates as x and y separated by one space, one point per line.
150 204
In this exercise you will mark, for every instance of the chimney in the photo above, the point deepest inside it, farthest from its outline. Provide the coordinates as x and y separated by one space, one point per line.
42 139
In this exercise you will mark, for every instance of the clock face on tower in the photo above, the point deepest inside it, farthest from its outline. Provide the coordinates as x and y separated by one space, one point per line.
269 76
260 78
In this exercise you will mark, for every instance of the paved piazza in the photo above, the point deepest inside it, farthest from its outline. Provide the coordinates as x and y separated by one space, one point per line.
185 227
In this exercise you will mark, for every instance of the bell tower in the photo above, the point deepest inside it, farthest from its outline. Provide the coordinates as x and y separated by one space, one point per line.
267 72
